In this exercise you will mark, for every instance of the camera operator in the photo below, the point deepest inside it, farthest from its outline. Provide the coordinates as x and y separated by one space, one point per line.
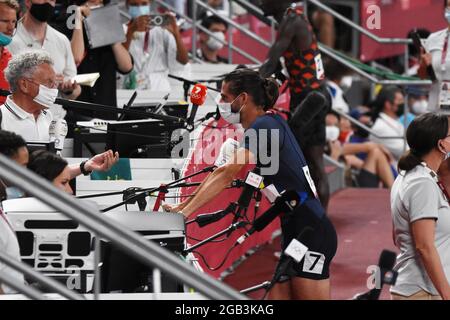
157 49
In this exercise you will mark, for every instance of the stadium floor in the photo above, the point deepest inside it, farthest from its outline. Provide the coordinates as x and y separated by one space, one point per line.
363 223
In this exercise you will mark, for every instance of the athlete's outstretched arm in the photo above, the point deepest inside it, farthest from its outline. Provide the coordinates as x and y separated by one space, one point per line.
219 180
290 27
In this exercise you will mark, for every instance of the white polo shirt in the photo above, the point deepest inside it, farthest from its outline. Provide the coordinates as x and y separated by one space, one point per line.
10 246
57 45
17 120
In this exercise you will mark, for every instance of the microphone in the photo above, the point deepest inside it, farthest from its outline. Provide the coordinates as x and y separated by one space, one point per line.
58 132
208 218
384 274
198 98
283 204
252 182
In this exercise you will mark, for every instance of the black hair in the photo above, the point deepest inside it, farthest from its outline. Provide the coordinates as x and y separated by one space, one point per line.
423 135
423 33
263 91
10 143
208 21
335 70
46 164
386 94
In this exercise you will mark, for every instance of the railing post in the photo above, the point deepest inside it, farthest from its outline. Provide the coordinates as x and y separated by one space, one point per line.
273 31
156 283
230 36
97 272
194 28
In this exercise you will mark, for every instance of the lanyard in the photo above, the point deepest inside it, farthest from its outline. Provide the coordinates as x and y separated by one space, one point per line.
439 182
444 52
146 41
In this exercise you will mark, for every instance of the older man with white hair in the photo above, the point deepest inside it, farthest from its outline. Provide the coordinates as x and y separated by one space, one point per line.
32 79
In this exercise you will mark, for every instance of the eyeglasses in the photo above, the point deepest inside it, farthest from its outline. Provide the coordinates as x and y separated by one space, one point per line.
49 84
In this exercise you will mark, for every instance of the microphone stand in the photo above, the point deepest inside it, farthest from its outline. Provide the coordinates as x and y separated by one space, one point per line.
284 266
230 229
188 83
150 191
135 189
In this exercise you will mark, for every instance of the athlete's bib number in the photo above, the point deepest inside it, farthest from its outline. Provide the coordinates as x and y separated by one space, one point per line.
310 180
320 70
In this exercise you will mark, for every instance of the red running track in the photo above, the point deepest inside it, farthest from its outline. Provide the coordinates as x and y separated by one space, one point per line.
363 223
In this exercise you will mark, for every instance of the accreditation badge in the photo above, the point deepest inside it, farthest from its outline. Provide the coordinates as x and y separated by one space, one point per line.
444 96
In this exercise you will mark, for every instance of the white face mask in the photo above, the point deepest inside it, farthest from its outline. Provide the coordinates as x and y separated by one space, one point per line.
332 133
346 82
420 107
447 14
46 96
227 114
215 44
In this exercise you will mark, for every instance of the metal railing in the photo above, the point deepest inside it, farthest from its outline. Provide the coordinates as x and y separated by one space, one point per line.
356 26
89 216
35 275
197 26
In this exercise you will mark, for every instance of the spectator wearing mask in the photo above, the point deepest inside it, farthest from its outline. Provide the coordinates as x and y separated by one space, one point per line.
106 60
375 166
209 48
34 89
335 73
8 19
388 106
157 50
418 104
436 56
34 32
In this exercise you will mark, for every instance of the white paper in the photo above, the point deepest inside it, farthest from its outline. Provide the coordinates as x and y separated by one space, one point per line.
87 79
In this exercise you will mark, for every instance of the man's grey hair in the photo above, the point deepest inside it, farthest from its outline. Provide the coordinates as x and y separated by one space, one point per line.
24 64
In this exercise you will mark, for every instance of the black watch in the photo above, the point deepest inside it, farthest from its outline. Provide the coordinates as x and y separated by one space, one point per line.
83 171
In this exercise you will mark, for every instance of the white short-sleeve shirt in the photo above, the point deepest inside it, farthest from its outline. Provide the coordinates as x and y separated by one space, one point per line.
435 45
386 126
416 195
10 246
17 120
152 67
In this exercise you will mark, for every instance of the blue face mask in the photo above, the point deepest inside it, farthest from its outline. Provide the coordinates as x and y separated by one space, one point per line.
137 11
14 193
4 39
447 15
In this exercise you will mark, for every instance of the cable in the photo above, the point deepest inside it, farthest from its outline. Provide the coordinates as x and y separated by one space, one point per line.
223 261
215 241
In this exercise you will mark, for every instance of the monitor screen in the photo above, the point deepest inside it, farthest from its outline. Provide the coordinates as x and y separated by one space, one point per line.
141 138
121 272
38 145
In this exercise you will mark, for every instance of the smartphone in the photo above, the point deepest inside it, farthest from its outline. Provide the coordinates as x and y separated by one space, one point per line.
418 44
158 20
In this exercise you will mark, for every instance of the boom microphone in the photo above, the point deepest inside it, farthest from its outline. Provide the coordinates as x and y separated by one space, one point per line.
284 204
384 274
198 98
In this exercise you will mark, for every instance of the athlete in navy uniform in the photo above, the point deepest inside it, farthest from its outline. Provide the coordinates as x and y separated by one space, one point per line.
247 98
